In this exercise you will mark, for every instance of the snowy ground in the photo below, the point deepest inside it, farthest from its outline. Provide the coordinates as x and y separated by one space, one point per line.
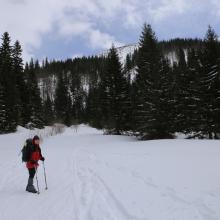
97 177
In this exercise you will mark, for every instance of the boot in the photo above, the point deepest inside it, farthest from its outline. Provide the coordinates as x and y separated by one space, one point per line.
30 187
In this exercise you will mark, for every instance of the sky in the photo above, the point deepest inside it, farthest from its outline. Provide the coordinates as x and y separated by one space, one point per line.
60 29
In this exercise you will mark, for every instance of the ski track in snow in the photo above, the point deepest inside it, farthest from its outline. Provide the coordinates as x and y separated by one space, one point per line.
93 185
96 177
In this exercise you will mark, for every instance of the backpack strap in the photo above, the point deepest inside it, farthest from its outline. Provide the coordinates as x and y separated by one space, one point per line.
30 150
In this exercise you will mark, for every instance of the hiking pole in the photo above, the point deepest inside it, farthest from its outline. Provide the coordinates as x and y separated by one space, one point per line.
45 177
38 191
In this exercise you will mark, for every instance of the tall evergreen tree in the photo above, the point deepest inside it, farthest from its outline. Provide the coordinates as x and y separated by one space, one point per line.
48 111
165 98
8 83
193 105
62 101
115 98
148 107
181 91
210 85
26 113
21 87
78 97
93 108
35 103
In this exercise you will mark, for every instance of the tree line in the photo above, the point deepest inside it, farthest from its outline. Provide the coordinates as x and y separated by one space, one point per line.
147 96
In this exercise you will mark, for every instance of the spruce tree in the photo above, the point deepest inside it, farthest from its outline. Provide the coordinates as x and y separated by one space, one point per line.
181 92
35 103
21 88
8 83
116 104
48 111
26 113
78 97
193 116
93 109
149 120
210 85
165 98
62 101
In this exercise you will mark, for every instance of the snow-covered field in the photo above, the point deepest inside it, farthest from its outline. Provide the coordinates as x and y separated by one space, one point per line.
97 177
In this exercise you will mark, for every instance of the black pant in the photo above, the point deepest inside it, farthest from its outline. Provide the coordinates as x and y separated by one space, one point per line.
32 172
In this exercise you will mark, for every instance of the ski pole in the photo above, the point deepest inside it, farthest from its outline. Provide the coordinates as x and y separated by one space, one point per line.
38 191
19 153
45 177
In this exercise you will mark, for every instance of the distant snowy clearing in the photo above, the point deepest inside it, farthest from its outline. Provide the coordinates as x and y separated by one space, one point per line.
97 177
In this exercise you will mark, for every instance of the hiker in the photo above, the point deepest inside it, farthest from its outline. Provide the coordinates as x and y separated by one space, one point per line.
33 156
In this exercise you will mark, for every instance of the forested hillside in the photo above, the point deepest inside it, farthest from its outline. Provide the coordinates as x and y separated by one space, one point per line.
152 89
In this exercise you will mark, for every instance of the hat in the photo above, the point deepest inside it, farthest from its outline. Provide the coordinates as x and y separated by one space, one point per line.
36 138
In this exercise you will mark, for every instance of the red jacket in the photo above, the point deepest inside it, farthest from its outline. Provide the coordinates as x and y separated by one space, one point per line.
35 155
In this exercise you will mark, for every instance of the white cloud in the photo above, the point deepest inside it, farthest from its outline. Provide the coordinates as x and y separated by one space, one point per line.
133 15
30 20
168 8
77 56
24 22
95 38
216 4
101 40
73 28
